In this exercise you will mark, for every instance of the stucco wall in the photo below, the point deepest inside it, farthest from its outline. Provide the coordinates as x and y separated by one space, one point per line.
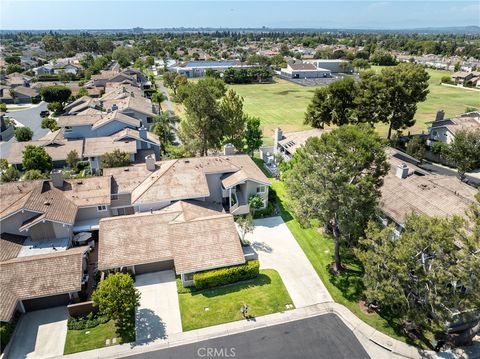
86 213
12 223
215 188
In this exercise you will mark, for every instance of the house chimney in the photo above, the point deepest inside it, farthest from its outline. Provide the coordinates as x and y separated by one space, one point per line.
440 115
277 137
402 171
150 162
228 149
142 132
57 178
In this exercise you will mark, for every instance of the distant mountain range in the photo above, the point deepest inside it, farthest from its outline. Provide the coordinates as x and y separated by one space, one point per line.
474 30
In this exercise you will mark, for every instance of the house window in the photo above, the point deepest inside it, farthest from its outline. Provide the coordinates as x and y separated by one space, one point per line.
68 129
114 197
188 276
261 189
149 120
101 208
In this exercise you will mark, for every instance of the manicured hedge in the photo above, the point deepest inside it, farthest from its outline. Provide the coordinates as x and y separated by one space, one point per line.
228 275
87 322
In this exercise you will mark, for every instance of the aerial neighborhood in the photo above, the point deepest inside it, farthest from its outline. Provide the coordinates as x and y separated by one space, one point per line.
164 188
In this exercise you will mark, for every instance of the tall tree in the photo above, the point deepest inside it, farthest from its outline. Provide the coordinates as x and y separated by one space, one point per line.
36 158
464 151
333 104
164 128
56 93
116 158
336 179
429 276
231 111
392 95
202 127
253 135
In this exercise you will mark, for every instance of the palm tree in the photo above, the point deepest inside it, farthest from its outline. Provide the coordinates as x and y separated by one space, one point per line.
164 128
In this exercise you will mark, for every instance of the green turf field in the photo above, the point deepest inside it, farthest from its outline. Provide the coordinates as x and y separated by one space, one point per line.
283 104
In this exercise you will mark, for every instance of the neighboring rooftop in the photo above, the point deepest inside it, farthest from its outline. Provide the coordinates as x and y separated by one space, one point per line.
291 141
422 192
195 237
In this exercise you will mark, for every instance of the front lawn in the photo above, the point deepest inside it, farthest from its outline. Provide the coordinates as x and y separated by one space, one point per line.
346 288
79 340
264 295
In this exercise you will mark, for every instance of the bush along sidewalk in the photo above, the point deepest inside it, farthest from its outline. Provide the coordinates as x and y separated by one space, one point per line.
223 276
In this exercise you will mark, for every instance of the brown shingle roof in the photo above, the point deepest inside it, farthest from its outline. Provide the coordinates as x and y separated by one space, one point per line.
291 141
10 246
39 276
98 146
195 237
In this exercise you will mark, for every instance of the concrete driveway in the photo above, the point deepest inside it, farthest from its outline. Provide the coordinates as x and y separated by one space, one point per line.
277 249
40 334
158 315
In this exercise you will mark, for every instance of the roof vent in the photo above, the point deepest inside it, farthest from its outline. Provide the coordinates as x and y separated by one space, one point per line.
402 171
126 169
79 182
46 203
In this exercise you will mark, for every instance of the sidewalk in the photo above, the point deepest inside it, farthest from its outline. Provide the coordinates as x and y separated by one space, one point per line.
376 344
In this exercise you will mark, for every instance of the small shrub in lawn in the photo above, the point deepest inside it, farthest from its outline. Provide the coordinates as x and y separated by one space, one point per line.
228 275
87 322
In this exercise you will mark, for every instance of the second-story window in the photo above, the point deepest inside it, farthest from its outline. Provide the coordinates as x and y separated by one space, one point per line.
101 208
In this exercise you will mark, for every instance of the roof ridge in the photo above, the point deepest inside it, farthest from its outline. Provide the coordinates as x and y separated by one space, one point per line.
136 198
62 253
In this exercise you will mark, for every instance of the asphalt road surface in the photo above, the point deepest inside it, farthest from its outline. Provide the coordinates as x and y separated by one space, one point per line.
318 337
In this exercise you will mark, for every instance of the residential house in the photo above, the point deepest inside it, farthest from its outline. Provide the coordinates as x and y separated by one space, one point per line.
287 144
16 79
408 188
23 95
465 77
186 236
334 65
444 129
38 266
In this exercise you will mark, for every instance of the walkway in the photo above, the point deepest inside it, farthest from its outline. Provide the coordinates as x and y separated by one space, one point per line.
40 334
158 315
169 105
278 249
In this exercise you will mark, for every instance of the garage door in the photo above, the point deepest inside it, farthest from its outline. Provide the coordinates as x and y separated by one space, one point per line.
46 302
153 267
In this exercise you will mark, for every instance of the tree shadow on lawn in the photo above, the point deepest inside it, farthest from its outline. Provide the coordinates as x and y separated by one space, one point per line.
260 280
126 330
349 281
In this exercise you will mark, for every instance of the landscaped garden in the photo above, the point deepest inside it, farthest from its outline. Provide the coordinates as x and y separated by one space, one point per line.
265 294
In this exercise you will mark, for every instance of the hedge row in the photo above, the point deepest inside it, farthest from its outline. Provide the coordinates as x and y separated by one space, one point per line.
228 275
87 322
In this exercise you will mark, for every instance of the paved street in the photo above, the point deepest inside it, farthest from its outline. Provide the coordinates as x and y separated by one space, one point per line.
278 249
318 337
158 315
40 334
29 118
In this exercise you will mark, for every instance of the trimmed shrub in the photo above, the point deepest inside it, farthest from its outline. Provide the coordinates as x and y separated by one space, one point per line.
87 322
228 275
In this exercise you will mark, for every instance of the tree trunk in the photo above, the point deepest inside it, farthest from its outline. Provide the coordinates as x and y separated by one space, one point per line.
336 235
389 130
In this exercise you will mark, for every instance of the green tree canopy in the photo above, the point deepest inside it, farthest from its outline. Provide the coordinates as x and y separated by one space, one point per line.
332 104
36 158
23 134
335 180
32 175
116 158
164 127
253 135
50 123
72 159
117 297
429 276
56 93
231 111
464 151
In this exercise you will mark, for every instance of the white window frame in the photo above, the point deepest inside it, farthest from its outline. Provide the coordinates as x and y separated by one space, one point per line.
264 189
102 208
114 197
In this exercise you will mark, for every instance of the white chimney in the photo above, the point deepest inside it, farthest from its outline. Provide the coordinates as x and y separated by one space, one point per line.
57 178
277 137
228 149
150 162
402 171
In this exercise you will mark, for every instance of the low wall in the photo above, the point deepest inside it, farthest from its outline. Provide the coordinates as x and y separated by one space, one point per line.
81 309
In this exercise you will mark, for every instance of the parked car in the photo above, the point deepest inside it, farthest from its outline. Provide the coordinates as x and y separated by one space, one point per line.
44 113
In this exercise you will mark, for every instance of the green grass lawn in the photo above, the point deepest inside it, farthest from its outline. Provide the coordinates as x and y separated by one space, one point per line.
345 289
264 295
79 340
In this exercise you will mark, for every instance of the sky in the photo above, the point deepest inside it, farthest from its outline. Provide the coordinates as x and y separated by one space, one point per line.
126 14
